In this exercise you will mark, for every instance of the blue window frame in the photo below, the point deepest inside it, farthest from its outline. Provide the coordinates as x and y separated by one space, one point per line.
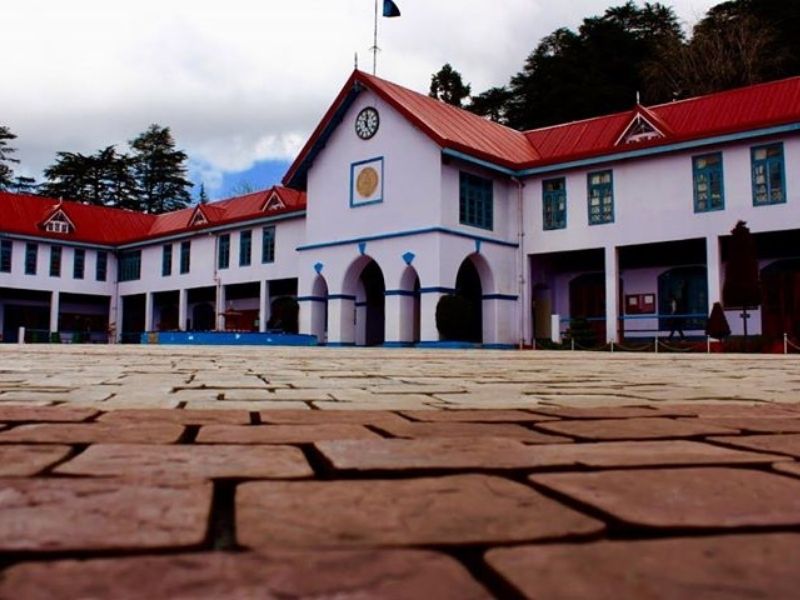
245 248
769 176
601 197
166 260
709 191
101 266
476 201
268 245
554 203
6 249
78 263
130 265
186 256
224 252
55 261
31 255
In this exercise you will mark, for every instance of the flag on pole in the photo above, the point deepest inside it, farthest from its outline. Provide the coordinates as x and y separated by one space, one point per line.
390 9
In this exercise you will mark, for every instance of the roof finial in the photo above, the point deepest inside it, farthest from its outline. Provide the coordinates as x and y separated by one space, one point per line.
356 61
638 98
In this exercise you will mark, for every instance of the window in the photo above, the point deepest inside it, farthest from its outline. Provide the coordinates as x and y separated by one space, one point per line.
58 224
554 203
268 245
475 201
186 256
769 182
601 198
166 260
101 267
245 248
130 265
224 252
55 261
79 263
708 188
5 256
31 251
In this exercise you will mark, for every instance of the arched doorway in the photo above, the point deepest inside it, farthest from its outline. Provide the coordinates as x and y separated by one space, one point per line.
689 287
203 318
780 309
459 316
374 303
319 309
468 287
410 314
364 286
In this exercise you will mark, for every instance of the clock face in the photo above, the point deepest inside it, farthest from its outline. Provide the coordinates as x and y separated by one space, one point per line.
367 123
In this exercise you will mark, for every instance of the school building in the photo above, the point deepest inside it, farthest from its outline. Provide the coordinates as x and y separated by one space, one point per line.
398 203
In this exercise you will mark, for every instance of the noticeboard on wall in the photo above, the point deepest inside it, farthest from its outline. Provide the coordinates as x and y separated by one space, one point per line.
640 304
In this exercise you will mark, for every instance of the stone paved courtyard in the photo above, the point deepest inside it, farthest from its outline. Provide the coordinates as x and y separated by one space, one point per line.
176 472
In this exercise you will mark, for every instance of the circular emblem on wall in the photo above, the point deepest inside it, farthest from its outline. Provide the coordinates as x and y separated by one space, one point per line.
367 182
367 123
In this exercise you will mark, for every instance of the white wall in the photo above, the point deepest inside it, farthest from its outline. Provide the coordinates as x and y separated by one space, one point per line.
412 176
654 201
42 280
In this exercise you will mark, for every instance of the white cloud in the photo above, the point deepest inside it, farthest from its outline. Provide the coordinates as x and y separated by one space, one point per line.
240 81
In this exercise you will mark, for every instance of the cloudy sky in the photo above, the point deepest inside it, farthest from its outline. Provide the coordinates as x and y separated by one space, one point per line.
240 83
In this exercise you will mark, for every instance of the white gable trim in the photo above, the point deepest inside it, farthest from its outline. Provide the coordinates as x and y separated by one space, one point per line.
59 216
274 202
198 218
629 137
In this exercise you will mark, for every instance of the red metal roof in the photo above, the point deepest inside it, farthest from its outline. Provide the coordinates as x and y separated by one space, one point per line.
25 215
453 127
743 109
739 110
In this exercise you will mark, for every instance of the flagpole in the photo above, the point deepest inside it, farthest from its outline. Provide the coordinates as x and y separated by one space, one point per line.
375 43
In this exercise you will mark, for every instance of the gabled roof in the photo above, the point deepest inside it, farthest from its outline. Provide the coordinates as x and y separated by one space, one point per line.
448 126
24 215
58 213
745 109
643 126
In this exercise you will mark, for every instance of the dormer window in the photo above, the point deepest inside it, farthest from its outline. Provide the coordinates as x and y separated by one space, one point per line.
639 130
59 223
274 203
198 218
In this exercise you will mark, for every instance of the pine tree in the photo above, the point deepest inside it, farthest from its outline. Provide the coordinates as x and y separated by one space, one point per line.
6 172
160 171
24 185
70 178
447 86
104 178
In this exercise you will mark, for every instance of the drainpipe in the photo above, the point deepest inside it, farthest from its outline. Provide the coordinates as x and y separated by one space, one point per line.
520 262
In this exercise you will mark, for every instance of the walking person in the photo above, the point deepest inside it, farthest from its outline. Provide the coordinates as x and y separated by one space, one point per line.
675 321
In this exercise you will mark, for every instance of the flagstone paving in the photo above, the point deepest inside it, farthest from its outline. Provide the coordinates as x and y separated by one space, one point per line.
228 473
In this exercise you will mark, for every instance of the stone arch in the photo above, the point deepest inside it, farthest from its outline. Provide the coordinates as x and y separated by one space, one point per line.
364 285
